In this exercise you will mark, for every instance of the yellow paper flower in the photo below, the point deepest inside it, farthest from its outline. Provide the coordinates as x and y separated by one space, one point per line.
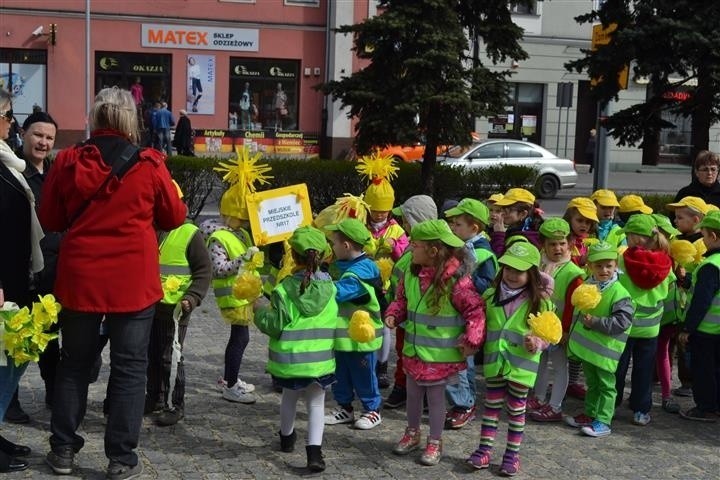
172 284
586 297
385 265
12 340
51 306
546 326
376 166
589 241
248 286
19 320
683 252
256 262
361 328
347 206
701 248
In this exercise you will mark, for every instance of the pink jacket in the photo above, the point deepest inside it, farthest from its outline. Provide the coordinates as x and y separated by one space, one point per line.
468 303
399 242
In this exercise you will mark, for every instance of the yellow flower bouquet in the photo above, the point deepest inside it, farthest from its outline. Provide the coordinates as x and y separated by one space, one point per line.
385 265
586 297
361 328
683 252
546 326
24 334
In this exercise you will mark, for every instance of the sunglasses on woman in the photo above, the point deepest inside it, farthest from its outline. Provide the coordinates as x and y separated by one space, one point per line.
7 114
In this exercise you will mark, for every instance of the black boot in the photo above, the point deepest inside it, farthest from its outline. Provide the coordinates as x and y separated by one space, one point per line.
381 369
287 442
315 462
14 412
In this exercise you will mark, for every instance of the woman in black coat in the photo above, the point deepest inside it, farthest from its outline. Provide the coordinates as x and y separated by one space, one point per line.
183 141
704 182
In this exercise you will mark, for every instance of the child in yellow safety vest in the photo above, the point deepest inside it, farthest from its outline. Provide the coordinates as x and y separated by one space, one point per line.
444 323
185 274
300 320
701 330
511 351
647 276
597 339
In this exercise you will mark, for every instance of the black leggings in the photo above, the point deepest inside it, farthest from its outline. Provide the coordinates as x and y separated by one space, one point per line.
239 339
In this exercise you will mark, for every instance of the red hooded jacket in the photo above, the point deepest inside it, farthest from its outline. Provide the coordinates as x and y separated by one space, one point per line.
108 259
647 268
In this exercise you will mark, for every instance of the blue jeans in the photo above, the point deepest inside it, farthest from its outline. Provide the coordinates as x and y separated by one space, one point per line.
129 335
9 378
164 140
462 395
355 373
642 351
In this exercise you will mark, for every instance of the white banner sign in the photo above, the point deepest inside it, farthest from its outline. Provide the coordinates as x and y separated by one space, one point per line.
200 38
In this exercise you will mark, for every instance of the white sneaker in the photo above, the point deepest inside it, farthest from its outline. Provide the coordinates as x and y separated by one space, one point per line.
248 387
237 394
368 420
339 415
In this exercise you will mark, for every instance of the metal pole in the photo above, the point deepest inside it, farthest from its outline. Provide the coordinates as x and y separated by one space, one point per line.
600 178
88 68
567 122
557 142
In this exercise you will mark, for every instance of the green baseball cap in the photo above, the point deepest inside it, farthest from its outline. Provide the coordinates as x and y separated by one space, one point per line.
711 220
602 251
555 228
435 230
665 224
641 224
521 256
308 238
472 207
352 228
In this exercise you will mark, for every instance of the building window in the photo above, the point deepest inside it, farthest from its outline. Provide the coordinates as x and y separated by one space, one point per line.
303 3
523 8
522 118
263 94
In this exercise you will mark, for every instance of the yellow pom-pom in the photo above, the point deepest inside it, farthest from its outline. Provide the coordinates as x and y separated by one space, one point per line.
586 297
546 326
683 252
361 328
385 265
248 286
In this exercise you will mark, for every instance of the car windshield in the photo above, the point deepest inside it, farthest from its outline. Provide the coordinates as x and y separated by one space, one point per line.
457 151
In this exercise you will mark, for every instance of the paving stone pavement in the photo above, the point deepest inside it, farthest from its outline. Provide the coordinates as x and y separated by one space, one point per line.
223 440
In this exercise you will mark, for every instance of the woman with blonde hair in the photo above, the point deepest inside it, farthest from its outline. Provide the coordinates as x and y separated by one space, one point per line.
108 195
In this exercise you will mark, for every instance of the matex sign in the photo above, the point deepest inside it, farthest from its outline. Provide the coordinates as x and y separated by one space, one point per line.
200 38
275 214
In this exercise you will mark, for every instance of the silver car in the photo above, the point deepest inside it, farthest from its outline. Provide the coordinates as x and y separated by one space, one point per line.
554 172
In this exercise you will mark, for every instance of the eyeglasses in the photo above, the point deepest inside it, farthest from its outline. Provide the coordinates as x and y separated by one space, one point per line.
708 169
7 114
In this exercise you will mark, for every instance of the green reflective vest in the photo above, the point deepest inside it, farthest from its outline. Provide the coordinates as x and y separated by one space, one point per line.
615 236
399 269
710 323
563 277
648 305
222 287
483 254
673 305
595 347
173 262
431 336
505 354
343 342
305 346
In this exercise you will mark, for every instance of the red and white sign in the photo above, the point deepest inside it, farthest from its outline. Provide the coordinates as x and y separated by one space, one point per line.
200 38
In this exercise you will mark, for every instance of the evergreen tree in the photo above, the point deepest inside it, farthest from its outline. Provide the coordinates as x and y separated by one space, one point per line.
675 45
424 79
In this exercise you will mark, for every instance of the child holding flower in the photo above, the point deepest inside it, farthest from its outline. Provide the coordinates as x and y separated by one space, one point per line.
512 350
598 336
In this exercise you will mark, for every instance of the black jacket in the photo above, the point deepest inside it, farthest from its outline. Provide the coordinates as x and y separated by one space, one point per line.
710 194
15 249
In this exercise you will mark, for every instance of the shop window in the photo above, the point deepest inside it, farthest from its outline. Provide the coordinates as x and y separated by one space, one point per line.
263 94
24 74
523 8
123 70
522 118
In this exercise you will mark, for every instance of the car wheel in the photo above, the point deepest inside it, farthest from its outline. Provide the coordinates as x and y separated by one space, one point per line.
547 187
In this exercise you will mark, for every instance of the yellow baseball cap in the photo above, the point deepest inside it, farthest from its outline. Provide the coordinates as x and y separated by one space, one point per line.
516 195
696 204
605 198
585 207
633 203
493 199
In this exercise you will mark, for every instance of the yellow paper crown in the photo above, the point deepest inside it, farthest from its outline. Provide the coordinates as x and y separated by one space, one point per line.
347 206
379 169
242 173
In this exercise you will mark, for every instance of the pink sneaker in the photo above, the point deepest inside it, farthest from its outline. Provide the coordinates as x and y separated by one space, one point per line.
546 414
576 390
534 404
